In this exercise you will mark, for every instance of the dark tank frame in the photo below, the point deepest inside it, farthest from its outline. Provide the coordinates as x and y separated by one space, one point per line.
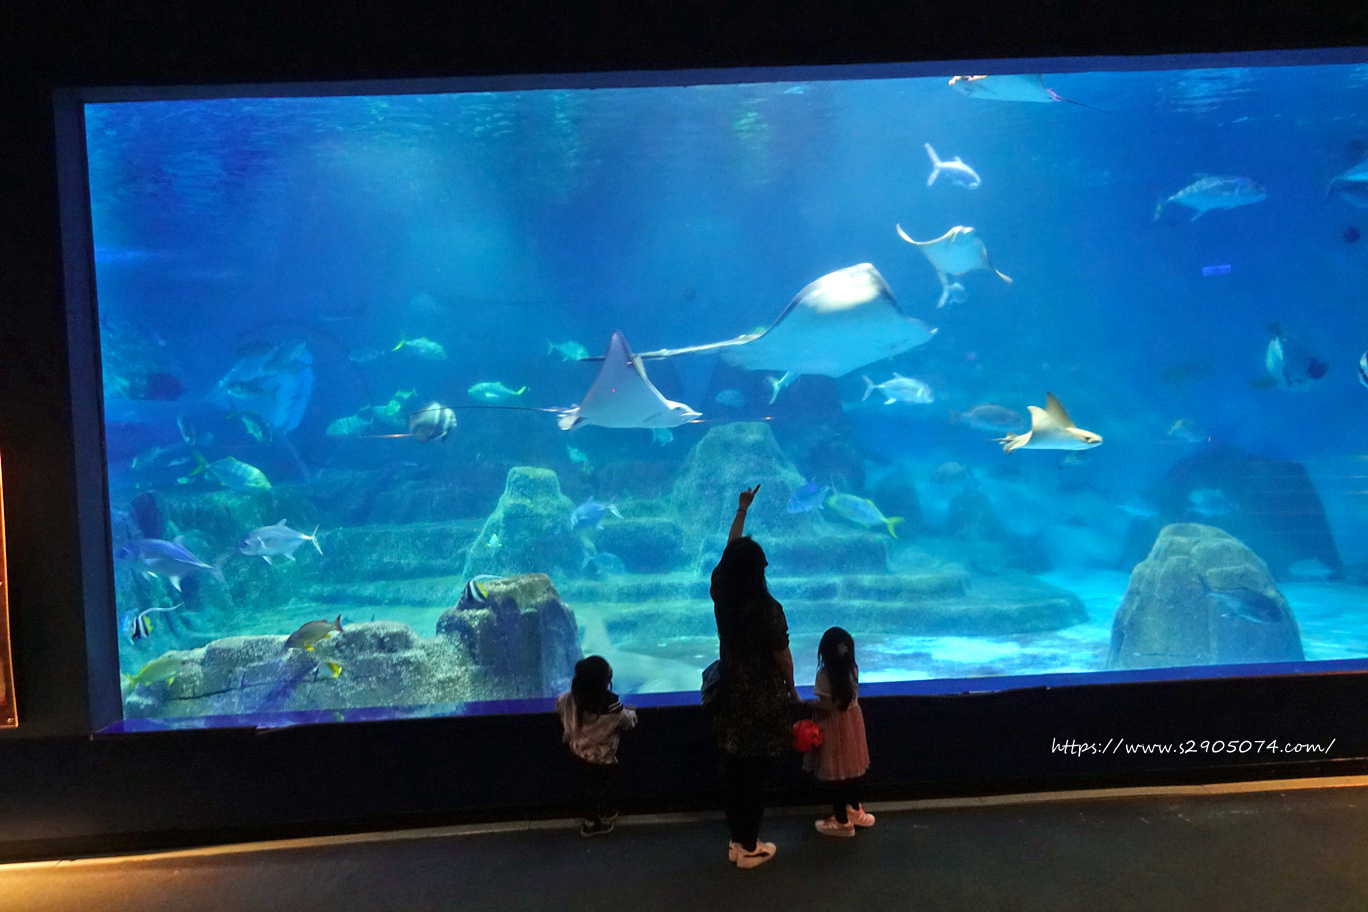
65 791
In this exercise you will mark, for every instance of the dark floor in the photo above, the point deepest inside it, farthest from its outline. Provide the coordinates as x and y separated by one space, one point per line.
1296 850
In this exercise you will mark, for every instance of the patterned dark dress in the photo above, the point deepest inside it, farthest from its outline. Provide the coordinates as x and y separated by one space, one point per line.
752 719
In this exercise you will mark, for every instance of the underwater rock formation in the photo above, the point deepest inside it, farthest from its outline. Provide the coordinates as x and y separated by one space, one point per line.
729 459
529 530
523 641
381 663
1202 598
1272 505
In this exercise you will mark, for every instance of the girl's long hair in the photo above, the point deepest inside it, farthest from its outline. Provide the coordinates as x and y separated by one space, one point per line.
590 686
836 653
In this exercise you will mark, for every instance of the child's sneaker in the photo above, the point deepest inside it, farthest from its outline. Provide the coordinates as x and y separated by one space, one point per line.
859 816
764 851
832 827
595 827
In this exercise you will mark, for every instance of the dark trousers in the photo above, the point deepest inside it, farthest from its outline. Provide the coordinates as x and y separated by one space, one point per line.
743 794
598 789
843 792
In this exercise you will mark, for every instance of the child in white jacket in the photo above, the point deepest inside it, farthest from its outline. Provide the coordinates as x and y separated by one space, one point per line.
593 719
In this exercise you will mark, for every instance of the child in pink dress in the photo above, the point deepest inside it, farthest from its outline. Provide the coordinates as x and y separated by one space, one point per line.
843 756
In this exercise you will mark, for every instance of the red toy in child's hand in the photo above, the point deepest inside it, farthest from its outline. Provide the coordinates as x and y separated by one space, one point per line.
806 735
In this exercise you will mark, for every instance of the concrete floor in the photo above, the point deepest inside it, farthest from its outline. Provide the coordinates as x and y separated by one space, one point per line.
1298 846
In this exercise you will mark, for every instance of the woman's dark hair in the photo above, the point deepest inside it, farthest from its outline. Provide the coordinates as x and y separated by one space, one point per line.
740 574
593 676
836 653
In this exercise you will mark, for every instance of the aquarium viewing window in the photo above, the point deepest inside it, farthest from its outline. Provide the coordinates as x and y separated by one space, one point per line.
413 395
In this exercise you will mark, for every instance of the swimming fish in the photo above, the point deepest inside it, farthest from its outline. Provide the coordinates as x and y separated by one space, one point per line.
1209 502
272 541
954 253
1310 568
350 426
1363 368
187 430
900 389
170 560
1051 429
423 348
591 513
233 474
862 510
779 384
569 351
312 633
989 418
493 392
1011 87
1207 193
1247 604
1186 430
432 422
662 436
732 398
494 544
1290 363
255 426
603 563
136 624
955 169
807 498
164 668
475 589
1351 186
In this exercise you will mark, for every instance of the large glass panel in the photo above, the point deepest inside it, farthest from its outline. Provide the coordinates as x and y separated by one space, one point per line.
1091 412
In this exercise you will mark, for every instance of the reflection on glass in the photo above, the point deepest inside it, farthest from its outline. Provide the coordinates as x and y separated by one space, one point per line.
412 400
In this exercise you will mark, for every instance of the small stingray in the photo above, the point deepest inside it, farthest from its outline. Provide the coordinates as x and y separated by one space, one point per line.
954 253
1010 87
837 324
1051 429
623 397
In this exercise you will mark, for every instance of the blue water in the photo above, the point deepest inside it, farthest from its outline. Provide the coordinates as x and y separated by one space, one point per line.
493 223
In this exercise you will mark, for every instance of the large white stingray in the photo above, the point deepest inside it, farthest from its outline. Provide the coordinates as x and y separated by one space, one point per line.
954 253
837 324
622 396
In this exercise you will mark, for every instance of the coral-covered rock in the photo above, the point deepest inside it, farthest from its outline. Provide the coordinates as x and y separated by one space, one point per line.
521 637
729 459
529 530
1202 598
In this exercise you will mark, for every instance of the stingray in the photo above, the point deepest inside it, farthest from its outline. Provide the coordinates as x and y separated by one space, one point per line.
954 253
1051 429
623 397
839 323
1011 87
